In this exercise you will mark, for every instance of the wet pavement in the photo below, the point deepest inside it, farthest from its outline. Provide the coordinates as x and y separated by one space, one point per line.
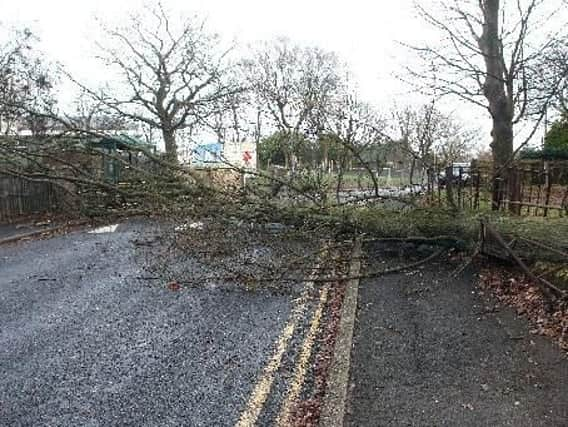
428 350
87 339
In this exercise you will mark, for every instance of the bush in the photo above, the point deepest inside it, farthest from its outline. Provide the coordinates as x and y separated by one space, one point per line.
548 153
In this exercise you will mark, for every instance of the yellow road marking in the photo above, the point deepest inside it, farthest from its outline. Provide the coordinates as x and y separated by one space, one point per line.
302 365
262 389
263 386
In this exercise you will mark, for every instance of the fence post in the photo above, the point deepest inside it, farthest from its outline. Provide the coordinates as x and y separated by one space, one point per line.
548 187
514 190
450 187
460 187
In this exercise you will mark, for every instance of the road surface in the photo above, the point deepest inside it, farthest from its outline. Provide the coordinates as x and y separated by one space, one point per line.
86 339
429 351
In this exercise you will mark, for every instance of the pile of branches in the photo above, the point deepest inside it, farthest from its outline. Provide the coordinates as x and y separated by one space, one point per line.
75 164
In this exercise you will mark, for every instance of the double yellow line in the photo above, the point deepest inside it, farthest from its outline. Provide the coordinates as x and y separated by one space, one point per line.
263 386
302 364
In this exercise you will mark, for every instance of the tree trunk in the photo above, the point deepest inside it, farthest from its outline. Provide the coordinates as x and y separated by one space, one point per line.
411 173
515 196
502 149
499 98
325 156
450 180
171 145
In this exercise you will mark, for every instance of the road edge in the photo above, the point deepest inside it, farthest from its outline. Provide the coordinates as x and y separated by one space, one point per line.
335 399
35 233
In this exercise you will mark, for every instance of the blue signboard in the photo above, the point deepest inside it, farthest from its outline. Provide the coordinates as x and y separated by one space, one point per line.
207 154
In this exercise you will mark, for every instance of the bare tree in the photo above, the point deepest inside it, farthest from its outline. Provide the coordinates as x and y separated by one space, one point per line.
237 116
456 142
419 129
490 52
172 73
90 114
358 127
26 84
431 138
554 71
295 85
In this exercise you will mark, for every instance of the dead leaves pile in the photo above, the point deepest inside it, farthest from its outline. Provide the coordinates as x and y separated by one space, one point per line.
517 291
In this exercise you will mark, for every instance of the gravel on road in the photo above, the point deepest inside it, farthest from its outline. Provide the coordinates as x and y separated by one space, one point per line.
87 339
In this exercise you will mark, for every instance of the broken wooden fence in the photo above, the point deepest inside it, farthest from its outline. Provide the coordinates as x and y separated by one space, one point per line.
494 244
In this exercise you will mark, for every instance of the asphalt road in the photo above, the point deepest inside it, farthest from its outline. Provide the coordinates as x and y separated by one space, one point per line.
86 340
89 337
429 351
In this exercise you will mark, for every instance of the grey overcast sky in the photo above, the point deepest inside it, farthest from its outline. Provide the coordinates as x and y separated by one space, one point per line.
364 33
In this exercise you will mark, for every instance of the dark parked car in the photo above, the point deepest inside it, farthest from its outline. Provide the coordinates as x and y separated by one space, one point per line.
461 175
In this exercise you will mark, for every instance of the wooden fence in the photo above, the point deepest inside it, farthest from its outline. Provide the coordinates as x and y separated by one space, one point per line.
21 197
533 188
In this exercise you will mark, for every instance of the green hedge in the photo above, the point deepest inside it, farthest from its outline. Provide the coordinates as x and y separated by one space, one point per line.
547 153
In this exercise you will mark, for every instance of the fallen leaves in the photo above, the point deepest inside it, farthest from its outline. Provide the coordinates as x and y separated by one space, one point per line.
307 411
516 291
174 286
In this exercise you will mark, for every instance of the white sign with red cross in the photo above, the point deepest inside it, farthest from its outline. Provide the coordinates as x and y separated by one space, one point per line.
247 157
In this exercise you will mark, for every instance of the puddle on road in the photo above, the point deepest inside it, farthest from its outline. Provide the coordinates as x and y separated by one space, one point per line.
105 229
192 226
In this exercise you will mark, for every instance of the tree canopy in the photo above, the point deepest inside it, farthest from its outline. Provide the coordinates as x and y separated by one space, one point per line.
556 139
